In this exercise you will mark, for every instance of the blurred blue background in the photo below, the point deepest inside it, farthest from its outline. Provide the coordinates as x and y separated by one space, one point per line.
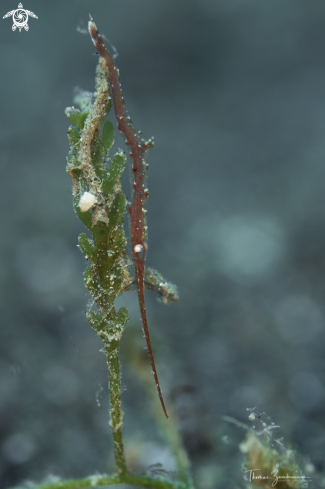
234 93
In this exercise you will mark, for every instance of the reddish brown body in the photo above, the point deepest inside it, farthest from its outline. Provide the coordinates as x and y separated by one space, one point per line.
137 213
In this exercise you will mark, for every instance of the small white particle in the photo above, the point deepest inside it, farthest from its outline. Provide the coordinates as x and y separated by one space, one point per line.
138 248
251 417
87 201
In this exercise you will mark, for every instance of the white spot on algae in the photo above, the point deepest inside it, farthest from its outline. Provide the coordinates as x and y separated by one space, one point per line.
87 201
95 479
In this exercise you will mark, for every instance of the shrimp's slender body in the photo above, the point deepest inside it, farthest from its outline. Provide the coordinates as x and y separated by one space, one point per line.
138 147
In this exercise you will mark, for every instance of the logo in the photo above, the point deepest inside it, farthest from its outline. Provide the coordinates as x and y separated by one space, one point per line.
20 18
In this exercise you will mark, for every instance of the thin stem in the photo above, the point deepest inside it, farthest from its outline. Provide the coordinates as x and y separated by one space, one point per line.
100 480
169 430
116 413
173 439
143 481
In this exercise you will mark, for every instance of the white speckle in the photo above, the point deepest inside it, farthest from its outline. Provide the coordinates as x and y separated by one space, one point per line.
138 248
87 201
94 479
251 417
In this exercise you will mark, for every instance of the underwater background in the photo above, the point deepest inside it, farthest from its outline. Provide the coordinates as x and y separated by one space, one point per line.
234 93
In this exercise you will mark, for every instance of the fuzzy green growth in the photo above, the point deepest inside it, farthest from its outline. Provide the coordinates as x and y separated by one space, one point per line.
268 461
107 277
166 291
268 466
100 204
